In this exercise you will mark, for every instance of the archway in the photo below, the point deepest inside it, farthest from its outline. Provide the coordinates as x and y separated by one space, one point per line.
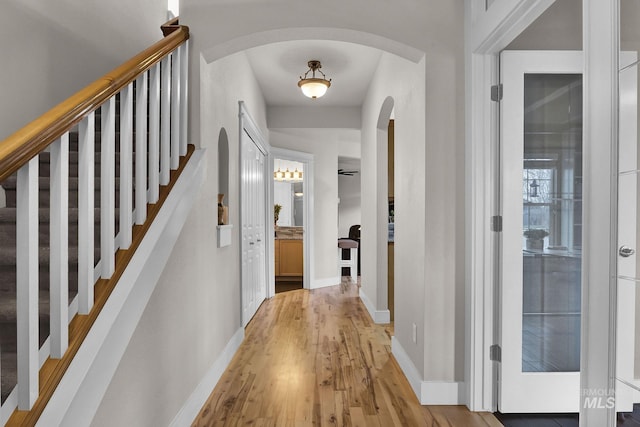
383 248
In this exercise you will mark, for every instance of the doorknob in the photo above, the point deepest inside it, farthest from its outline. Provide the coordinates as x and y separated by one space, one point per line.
626 251
259 240
251 243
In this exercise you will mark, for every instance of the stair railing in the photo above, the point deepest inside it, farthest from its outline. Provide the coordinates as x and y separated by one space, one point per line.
151 146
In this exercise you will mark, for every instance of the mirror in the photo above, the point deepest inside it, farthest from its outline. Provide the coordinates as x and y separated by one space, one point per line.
288 192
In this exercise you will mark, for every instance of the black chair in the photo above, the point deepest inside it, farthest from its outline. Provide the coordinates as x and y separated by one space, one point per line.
354 234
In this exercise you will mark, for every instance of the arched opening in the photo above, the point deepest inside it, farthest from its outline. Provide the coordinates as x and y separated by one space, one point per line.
223 163
385 226
224 227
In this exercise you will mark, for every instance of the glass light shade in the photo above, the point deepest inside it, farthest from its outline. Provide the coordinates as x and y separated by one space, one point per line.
314 88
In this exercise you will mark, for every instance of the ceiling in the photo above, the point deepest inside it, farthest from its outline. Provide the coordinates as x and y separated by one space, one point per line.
278 67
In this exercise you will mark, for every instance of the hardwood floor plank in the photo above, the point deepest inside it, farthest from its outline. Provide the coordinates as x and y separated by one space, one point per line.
315 358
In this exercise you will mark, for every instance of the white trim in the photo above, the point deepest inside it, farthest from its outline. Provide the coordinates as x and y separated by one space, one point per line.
380 317
323 283
192 406
408 368
427 392
600 39
488 32
308 218
496 27
82 388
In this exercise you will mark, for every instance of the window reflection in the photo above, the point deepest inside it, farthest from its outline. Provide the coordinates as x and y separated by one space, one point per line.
552 223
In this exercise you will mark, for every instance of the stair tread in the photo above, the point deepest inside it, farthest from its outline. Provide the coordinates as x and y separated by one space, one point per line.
8 255
10 214
8 305
44 183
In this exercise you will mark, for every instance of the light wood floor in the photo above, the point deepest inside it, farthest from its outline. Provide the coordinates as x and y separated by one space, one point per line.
316 358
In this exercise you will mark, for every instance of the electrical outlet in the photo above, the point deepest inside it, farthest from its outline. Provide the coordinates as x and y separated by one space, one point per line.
415 334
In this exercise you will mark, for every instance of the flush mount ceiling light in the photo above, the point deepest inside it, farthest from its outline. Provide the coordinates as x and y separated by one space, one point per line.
314 87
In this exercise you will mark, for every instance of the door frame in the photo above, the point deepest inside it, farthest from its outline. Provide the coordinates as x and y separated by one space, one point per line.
248 125
308 218
488 31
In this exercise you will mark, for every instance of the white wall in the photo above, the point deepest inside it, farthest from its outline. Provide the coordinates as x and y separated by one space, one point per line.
195 309
51 49
429 202
404 82
349 212
324 145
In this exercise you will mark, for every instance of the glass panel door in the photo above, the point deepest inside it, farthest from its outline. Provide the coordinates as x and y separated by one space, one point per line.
541 190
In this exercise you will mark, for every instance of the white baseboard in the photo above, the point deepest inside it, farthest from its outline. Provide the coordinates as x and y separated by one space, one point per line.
198 398
379 316
428 392
78 396
323 283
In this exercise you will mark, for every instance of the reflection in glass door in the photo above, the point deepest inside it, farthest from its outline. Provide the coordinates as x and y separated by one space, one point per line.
552 222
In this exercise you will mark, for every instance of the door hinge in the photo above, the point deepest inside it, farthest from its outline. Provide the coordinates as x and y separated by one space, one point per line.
495 353
496 93
496 223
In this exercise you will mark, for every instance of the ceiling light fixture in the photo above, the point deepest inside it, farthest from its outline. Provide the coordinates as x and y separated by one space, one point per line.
314 87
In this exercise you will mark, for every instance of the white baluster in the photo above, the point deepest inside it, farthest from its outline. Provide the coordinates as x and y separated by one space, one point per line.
184 98
165 125
141 149
175 110
27 286
86 212
126 166
154 134
107 188
59 253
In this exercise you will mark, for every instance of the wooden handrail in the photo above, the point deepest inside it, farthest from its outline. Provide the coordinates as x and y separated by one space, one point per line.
170 26
26 143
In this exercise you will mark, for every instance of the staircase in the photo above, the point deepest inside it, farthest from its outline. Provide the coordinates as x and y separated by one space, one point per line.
148 86
8 238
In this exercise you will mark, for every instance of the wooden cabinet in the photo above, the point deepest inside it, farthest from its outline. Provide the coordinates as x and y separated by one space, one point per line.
288 257
277 257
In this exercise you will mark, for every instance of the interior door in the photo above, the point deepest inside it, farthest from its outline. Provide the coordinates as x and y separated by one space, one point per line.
253 203
628 322
541 246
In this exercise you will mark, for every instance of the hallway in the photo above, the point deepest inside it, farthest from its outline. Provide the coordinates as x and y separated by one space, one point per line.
316 358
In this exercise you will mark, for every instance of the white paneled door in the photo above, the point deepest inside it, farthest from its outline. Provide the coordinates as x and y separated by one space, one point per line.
253 205
541 256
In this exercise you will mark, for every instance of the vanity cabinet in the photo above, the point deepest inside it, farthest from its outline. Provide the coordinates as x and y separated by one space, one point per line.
288 257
